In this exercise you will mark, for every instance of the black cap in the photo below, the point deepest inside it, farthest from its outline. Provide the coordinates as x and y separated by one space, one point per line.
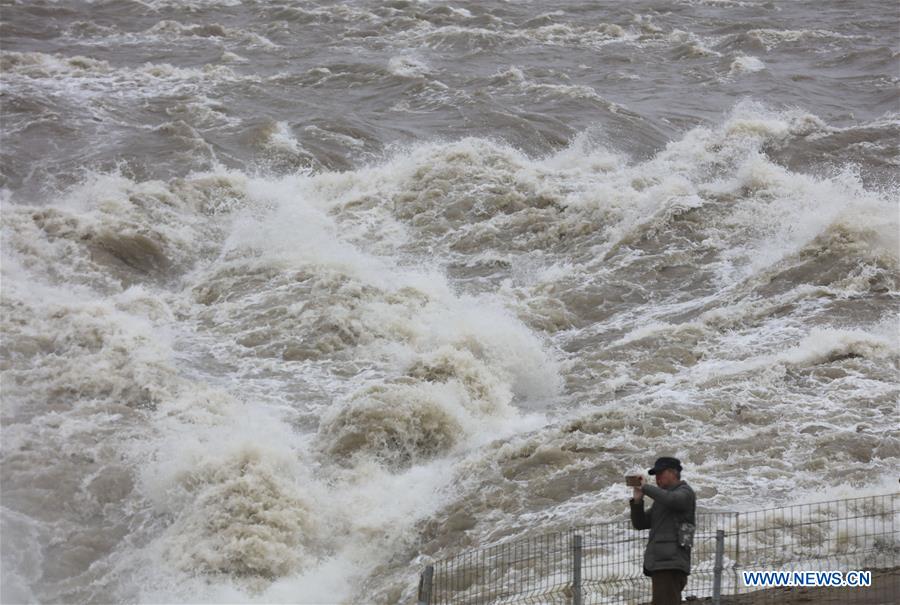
664 463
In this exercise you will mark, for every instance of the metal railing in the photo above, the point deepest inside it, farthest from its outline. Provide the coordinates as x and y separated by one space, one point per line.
603 563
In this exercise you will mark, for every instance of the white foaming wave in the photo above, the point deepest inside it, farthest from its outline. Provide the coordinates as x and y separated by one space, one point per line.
216 460
820 345
92 79
230 486
445 36
572 170
446 397
401 314
654 328
555 34
823 345
572 91
173 30
38 64
646 26
461 12
510 74
690 45
789 211
204 111
298 232
234 483
458 372
514 350
738 343
562 34
76 346
85 30
784 212
100 355
167 31
230 57
301 235
43 65
771 38
281 138
82 371
746 64
109 231
772 213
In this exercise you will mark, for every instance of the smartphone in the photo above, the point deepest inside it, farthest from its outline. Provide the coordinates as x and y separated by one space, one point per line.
633 480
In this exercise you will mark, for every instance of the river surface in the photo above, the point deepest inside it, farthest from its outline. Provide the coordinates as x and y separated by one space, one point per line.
300 295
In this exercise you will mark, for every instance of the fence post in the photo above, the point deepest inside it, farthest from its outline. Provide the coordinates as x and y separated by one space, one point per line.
425 579
737 549
717 568
576 570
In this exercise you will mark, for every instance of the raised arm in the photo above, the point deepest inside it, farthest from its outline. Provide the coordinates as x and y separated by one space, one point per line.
679 499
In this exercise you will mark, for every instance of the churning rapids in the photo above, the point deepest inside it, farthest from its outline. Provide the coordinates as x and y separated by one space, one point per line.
297 295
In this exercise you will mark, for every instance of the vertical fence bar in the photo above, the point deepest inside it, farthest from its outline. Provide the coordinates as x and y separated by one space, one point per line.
425 580
737 552
717 567
576 570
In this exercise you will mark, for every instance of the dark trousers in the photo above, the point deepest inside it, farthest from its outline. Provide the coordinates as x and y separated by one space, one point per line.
667 586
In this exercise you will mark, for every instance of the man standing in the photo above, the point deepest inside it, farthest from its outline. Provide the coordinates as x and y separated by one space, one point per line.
667 558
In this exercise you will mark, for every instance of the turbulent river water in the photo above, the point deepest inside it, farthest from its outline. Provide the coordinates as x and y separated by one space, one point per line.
299 295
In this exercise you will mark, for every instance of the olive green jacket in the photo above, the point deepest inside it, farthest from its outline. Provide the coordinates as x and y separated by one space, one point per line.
671 507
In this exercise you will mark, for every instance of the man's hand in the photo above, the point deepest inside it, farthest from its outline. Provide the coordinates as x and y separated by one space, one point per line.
636 492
